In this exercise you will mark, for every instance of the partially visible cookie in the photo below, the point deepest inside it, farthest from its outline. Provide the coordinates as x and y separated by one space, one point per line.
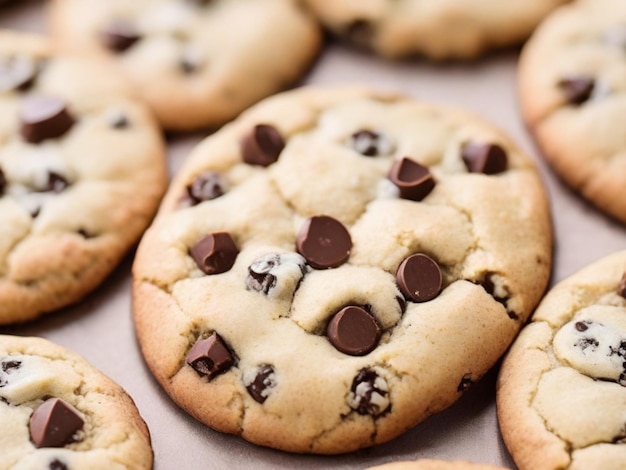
60 413
572 79
562 387
338 264
450 29
431 464
82 170
197 63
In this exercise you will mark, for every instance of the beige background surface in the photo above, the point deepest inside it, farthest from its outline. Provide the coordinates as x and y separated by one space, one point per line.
100 328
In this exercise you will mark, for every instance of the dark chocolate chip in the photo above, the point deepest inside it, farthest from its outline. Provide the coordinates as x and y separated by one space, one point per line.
263 272
370 143
324 242
3 182
119 35
215 253
56 182
370 393
621 288
54 424
205 187
354 331
17 73
264 381
489 159
44 117
419 278
262 146
581 326
465 384
10 365
415 181
56 464
210 356
577 89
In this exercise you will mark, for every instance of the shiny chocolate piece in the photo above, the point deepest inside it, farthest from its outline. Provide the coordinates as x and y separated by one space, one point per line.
419 278
119 35
324 242
354 331
3 182
577 89
44 117
215 253
17 72
414 181
369 393
370 143
489 159
262 146
621 289
276 273
262 384
56 464
210 356
205 187
54 424
56 182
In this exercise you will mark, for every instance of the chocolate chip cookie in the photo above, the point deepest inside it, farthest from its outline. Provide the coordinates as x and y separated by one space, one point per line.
59 413
431 464
451 29
562 387
197 63
82 170
572 79
337 265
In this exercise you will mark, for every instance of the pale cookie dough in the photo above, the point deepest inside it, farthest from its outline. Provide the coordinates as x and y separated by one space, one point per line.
82 170
60 413
572 79
197 63
431 464
308 288
562 387
441 29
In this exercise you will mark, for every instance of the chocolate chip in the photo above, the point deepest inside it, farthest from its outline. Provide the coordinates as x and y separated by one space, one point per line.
581 326
210 356
465 384
17 73
354 331
584 343
54 424
205 187
215 253
56 464
264 272
369 393
324 242
621 288
577 89
264 380
370 143
56 182
119 35
44 117
419 278
489 159
3 182
414 180
8 366
262 146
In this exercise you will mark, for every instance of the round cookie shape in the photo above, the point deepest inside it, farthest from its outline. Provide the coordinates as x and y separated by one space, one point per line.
328 357
447 29
197 64
59 412
82 171
432 464
572 92
562 387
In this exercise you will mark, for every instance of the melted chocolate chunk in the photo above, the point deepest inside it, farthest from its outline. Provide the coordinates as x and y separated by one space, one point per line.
119 35
419 278
324 242
54 424
264 381
577 89
354 331
465 384
56 464
56 182
370 393
265 272
205 187
17 73
44 117
370 143
489 159
621 288
215 253
210 357
414 181
262 146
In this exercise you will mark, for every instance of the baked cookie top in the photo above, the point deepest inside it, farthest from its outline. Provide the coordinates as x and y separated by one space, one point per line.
337 265
572 79
562 387
432 464
60 413
82 169
197 63
443 29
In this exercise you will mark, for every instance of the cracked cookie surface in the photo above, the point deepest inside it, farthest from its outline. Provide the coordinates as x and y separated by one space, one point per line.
82 170
562 388
196 63
325 272
572 80
448 29
60 413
